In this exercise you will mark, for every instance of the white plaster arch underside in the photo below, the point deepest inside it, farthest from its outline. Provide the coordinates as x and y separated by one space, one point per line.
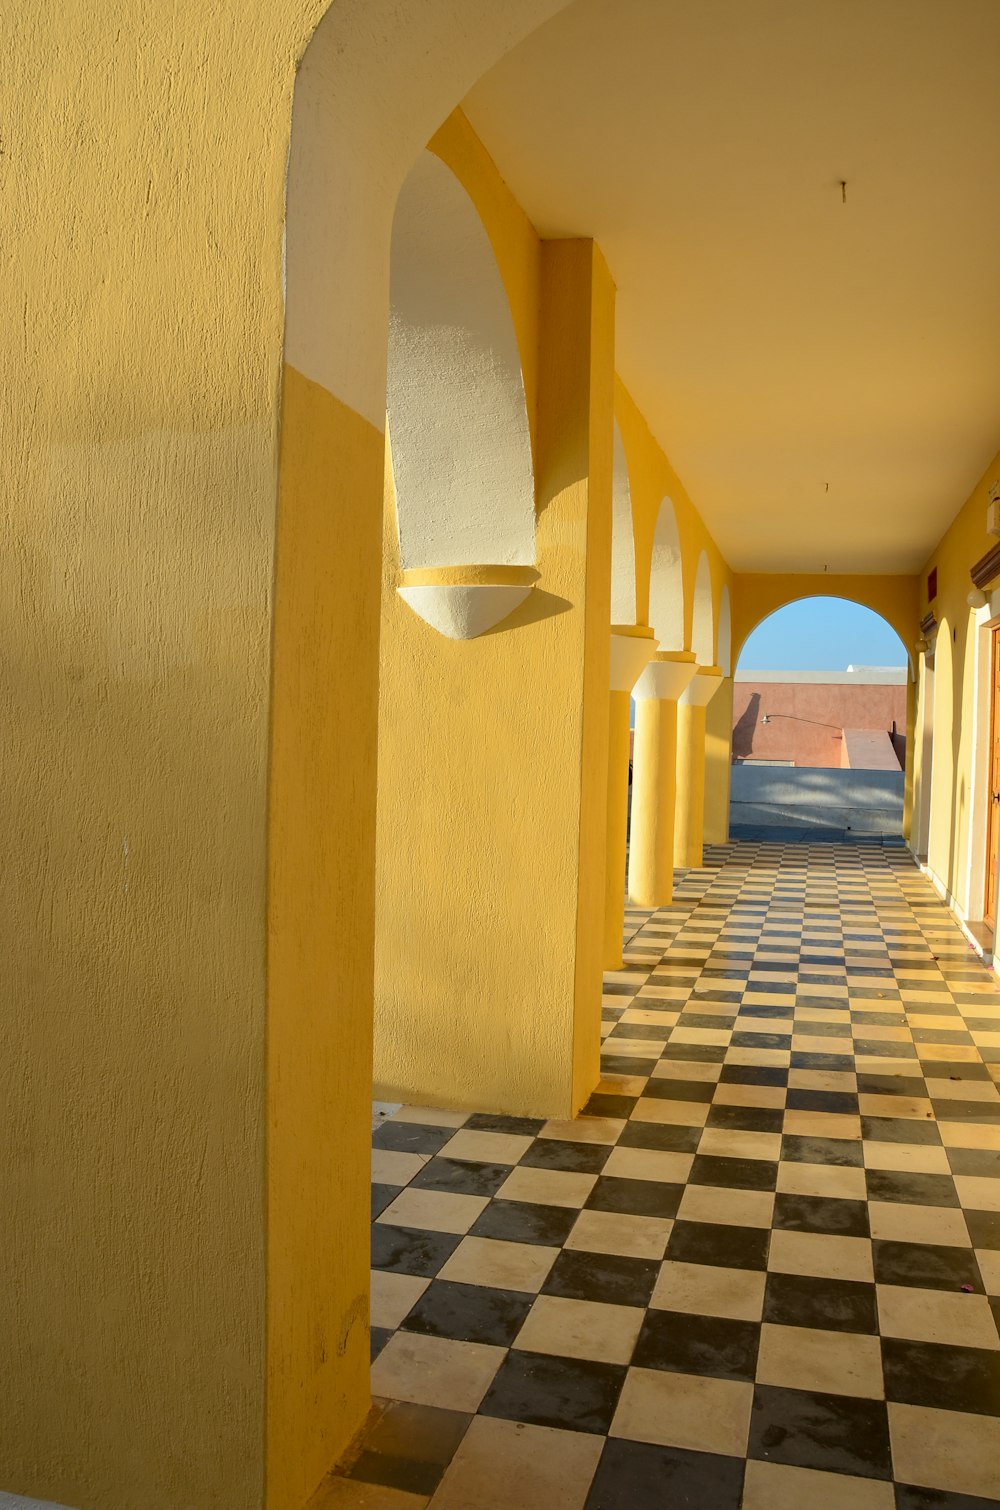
457 415
666 581
703 618
622 538
375 82
724 654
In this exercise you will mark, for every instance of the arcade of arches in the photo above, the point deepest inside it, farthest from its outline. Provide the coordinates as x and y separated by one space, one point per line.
378 421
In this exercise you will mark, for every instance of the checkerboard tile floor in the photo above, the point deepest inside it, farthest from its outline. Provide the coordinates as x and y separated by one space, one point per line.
761 1270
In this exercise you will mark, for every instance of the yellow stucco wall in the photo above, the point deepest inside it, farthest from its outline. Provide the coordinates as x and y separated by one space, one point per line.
490 838
143 215
758 594
321 873
955 697
651 479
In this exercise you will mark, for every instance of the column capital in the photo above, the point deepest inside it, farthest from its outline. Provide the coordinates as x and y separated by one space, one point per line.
703 686
632 645
666 676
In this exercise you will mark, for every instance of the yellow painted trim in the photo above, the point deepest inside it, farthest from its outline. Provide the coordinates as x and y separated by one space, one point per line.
468 576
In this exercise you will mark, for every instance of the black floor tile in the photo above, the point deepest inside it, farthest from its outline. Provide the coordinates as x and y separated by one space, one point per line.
845 1102
909 1497
925 1266
525 1222
754 1074
900 1130
408 1447
411 1137
975 1161
688 1344
949 1378
634 1197
636 1475
379 1337
839 1151
567 1393
831 1433
832 1305
469 1313
601 1105
984 1228
913 1189
461 1177
713 1243
680 1090
671 1137
746 1118
733 1174
407 1250
802 1061
904 1086
557 1153
526 1127
382 1196
609 1277
813 1213
626 1064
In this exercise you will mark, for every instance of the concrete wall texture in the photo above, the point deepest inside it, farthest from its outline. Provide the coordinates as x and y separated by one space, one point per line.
867 802
807 719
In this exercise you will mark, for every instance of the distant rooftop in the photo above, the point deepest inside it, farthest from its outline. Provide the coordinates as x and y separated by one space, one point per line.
862 676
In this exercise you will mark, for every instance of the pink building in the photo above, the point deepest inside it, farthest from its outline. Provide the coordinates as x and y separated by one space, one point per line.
854 719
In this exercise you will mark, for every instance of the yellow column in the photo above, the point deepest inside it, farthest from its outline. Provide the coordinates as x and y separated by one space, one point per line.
654 764
631 647
505 738
910 760
718 762
689 830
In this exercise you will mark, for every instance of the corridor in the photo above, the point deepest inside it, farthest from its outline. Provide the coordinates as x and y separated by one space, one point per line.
762 1270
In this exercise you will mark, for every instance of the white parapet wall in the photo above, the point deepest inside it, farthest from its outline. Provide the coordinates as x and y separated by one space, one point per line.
868 802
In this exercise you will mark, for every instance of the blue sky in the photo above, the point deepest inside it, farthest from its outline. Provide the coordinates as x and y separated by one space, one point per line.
821 634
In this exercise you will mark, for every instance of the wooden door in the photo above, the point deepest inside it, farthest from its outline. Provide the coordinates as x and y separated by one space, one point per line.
993 822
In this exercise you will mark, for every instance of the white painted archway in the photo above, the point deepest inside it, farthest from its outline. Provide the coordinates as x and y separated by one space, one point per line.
666 581
703 616
457 416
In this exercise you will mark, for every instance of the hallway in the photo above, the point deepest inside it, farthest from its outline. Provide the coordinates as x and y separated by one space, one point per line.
763 1268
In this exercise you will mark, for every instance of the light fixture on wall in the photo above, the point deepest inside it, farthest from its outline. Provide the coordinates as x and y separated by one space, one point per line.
977 598
766 719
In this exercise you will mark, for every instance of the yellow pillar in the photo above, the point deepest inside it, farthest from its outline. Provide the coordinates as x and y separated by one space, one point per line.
689 830
654 765
910 758
631 647
718 762
504 738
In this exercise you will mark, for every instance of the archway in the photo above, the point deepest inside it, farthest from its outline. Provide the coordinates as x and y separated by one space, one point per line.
819 721
374 84
460 447
666 581
622 537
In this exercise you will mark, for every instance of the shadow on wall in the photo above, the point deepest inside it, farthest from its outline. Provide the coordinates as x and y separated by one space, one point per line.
745 727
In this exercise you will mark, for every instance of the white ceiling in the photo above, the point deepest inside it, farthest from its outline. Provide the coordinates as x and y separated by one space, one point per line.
777 339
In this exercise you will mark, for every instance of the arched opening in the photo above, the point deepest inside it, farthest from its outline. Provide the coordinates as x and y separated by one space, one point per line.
819 723
666 581
373 85
457 419
703 615
622 537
